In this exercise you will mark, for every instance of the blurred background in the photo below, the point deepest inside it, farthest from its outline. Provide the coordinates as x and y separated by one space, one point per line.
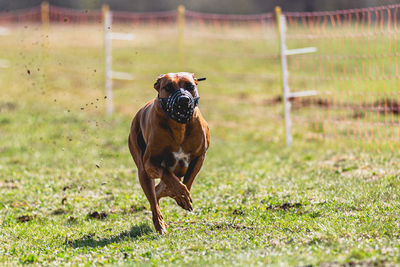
62 156
54 54
222 6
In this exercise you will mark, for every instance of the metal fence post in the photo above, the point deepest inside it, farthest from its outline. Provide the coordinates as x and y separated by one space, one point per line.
45 18
107 21
280 20
287 95
109 73
3 62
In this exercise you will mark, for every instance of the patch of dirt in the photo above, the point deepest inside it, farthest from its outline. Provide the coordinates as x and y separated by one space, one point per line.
387 106
284 206
73 186
300 102
367 263
134 208
215 225
67 187
238 212
10 106
58 212
98 215
222 226
25 218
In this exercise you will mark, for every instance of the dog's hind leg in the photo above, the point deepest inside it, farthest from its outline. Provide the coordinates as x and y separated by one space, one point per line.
149 189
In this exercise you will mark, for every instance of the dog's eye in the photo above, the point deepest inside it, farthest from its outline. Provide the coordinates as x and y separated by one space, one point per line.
169 88
190 87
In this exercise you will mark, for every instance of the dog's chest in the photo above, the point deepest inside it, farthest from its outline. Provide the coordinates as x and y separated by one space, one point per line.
177 162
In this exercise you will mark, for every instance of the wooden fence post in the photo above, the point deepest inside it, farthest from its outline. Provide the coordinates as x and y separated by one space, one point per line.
181 28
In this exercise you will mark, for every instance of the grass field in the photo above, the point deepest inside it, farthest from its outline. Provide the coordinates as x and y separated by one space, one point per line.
69 192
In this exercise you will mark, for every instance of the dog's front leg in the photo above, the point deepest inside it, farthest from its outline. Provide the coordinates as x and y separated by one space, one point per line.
152 170
162 191
178 190
193 170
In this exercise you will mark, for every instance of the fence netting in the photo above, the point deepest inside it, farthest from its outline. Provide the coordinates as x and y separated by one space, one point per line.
355 70
32 15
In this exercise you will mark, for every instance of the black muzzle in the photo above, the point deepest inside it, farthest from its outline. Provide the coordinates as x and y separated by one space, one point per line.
179 106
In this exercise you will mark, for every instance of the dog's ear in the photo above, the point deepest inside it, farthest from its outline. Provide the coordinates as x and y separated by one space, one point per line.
195 79
157 83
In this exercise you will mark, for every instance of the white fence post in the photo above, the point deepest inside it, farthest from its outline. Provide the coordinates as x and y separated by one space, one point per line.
108 61
287 95
3 62
109 73
4 31
285 84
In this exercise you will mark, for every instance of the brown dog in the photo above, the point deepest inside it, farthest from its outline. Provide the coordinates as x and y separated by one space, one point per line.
168 140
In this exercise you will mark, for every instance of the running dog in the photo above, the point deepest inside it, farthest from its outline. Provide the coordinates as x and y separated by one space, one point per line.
168 140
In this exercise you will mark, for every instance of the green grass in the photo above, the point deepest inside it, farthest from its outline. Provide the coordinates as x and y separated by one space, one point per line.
256 202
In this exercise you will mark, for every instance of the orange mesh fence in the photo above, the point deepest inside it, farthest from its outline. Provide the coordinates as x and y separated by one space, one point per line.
246 44
355 69
20 16
62 15
150 18
223 21
58 14
241 60
355 72
233 27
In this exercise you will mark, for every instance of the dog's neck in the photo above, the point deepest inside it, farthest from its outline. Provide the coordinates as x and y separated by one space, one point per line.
178 130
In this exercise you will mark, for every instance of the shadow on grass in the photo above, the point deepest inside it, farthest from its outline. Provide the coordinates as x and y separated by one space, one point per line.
90 241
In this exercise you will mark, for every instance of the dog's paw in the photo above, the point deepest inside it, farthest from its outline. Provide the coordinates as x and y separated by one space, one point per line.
160 225
162 230
183 198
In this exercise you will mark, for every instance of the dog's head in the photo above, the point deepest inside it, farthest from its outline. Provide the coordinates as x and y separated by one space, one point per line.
177 95
168 83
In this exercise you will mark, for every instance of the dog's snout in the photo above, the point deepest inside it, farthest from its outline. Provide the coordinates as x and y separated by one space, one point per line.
183 100
179 105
